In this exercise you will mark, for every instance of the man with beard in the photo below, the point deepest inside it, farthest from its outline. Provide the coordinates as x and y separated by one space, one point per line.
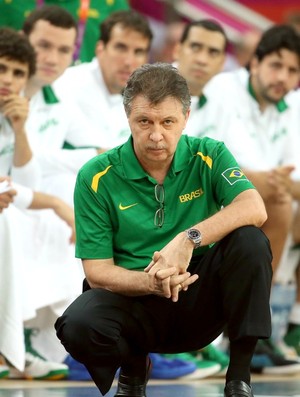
257 96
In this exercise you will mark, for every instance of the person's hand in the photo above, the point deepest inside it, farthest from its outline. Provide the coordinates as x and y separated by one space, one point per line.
66 213
6 193
16 109
167 283
280 177
176 254
274 185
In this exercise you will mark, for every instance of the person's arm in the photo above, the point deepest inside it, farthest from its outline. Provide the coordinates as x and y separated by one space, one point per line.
273 185
16 109
63 210
103 273
246 209
295 190
168 270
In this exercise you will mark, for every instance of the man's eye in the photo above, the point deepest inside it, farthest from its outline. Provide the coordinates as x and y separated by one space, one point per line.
65 50
44 45
19 73
195 47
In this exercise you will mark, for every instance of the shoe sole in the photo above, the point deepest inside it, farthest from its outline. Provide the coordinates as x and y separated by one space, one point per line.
221 373
52 375
201 373
282 370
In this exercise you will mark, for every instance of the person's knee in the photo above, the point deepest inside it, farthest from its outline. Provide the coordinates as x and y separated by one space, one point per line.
252 248
72 329
252 241
83 330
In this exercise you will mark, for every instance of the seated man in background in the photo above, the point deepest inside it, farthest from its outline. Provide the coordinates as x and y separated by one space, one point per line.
28 240
200 56
257 96
96 86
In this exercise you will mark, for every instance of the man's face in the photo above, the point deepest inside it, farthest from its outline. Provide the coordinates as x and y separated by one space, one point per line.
126 50
200 57
13 77
275 75
156 130
54 47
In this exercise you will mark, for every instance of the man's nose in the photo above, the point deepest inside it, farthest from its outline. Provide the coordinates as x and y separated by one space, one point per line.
156 135
202 56
52 56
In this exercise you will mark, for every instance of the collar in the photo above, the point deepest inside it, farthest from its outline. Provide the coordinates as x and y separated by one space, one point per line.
49 96
202 101
281 105
134 170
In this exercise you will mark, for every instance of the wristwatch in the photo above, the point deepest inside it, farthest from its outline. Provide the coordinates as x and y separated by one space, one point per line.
195 236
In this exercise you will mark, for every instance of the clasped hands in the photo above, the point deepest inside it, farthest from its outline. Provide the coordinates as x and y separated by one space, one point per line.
168 268
279 182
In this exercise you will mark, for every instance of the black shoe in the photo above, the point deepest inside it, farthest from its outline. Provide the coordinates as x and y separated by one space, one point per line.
237 388
133 386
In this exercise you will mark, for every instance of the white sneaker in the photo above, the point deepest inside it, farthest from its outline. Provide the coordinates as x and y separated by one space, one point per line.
37 367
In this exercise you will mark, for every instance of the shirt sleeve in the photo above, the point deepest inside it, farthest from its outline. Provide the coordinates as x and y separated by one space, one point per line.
64 160
28 175
24 196
228 178
92 220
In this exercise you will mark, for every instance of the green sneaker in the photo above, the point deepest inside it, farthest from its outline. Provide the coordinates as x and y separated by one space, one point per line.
4 370
36 366
204 369
212 353
292 338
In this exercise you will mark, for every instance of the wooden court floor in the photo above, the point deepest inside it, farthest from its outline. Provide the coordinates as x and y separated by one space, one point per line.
262 387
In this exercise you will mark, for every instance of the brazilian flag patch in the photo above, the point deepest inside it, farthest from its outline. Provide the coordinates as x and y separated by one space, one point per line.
234 175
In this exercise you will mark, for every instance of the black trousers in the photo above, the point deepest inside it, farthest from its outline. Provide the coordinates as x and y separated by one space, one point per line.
102 329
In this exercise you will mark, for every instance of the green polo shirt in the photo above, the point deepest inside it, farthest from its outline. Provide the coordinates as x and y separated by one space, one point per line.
115 201
13 13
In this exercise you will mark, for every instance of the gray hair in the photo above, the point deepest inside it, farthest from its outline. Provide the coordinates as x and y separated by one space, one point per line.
156 82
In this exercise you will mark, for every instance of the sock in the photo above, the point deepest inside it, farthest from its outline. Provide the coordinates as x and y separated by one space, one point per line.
241 352
136 367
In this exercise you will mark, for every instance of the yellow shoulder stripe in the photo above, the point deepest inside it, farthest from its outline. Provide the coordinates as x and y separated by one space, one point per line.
96 178
207 159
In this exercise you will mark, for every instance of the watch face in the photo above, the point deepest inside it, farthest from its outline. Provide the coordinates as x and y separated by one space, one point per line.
194 234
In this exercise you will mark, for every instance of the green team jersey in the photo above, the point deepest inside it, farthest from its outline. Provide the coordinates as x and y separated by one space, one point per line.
13 13
115 200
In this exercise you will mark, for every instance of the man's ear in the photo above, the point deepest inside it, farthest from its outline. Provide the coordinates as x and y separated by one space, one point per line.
253 64
99 48
176 51
187 117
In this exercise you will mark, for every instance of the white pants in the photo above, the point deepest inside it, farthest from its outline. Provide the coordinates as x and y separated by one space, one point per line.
38 270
